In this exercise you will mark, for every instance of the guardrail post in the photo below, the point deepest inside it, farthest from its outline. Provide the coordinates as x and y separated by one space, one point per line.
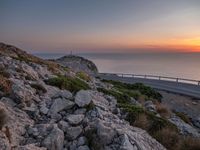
133 75
176 79
145 76
199 83
159 77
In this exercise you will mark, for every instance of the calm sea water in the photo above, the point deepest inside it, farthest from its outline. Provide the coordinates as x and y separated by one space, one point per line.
184 65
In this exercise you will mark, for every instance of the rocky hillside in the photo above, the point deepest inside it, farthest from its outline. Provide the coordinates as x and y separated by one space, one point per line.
45 106
78 64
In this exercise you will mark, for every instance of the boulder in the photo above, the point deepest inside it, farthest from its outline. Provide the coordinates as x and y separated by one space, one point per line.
54 141
183 127
75 119
73 132
59 104
85 147
63 94
150 106
83 98
63 125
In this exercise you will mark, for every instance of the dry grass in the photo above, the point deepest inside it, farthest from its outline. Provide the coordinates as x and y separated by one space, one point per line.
5 85
163 110
168 137
142 122
173 141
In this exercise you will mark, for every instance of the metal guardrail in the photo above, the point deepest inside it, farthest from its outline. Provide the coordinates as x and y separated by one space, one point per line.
163 78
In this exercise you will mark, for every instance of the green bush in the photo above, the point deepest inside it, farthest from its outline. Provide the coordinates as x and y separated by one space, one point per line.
120 97
72 84
145 90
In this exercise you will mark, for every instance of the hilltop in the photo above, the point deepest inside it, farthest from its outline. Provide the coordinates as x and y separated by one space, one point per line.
78 64
46 105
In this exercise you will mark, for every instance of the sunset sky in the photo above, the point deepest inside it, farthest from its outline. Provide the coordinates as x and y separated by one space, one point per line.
101 25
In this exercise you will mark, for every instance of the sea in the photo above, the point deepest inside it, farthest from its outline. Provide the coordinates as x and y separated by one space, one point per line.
182 65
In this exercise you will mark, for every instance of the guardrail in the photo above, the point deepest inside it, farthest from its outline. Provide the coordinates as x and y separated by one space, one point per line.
163 78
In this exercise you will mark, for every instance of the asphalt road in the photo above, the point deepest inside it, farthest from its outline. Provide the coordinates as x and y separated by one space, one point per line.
170 86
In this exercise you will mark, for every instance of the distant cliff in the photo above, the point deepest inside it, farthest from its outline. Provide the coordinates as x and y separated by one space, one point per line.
78 63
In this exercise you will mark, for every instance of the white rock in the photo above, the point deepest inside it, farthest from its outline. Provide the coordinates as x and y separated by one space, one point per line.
85 147
75 119
74 132
60 104
54 141
83 98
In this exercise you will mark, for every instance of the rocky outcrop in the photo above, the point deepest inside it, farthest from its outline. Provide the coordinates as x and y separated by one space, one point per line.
78 64
46 117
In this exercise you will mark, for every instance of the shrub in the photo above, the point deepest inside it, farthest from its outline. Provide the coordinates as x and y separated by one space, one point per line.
72 84
4 73
3 118
120 97
168 137
163 110
39 88
142 121
83 75
145 90
190 143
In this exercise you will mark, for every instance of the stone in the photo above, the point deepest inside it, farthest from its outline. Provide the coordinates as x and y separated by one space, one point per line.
80 111
44 110
83 98
85 147
196 122
60 104
150 106
75 119
63 125
183 127
81 141
55 140
125 144
105 133
63 94
73 132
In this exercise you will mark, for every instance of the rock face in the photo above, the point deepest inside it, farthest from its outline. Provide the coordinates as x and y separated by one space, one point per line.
78 63
184 128
57 119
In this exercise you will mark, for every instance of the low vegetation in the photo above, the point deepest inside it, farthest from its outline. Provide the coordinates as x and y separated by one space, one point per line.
139 87
72 84
158 127
83 75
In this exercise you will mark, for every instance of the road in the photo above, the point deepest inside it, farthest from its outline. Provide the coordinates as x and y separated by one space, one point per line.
170 86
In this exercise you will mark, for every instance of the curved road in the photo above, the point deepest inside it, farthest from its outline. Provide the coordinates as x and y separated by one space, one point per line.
180 88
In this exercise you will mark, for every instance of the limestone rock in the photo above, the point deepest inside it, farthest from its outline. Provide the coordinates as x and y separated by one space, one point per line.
54 141
60 104
83 98
75 119
74 132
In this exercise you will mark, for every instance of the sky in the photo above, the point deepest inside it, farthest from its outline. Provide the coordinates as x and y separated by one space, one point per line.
101 25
